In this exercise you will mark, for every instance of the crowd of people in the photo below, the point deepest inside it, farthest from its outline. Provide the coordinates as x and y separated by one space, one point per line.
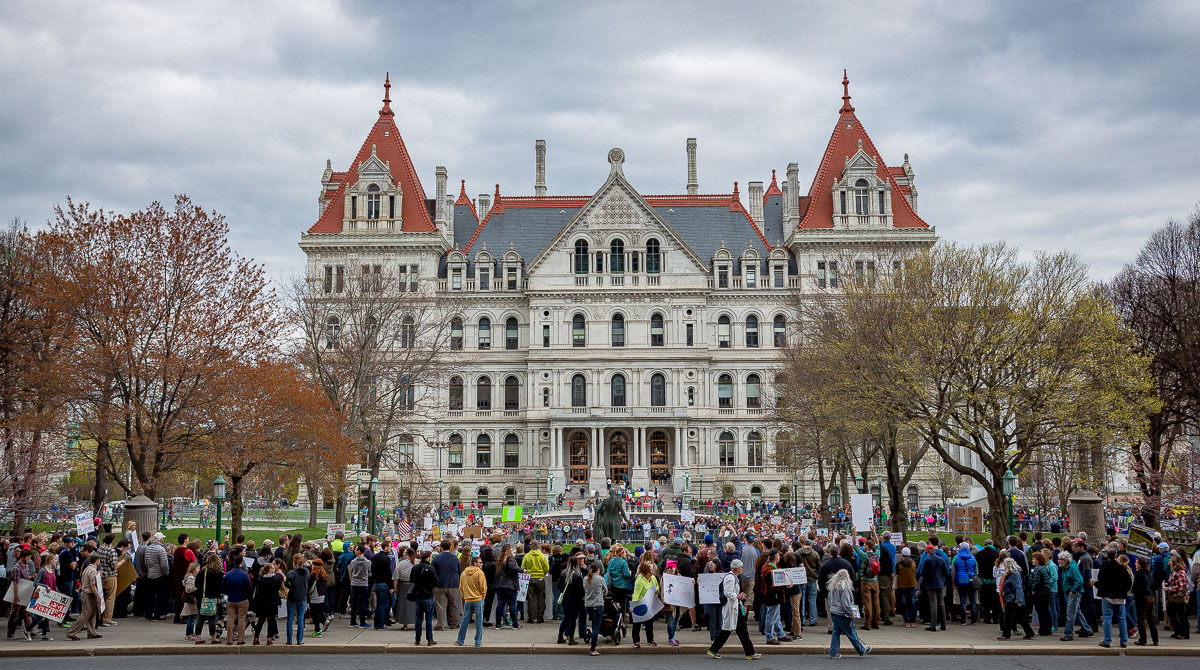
424 581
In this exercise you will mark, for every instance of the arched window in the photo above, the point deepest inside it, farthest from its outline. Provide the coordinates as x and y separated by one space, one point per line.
723 332
510 496
725 391
657 333
653 257
485 333
372 202
756 493
483 451
456 392
861 201
914 497
726 450
512 393
618 330
658 390
455 452
581 257
780 330
578 331
545 397
408 393
456 334
333 332
752 331
691 396
483 393
754 450
618 391
512 448
510 334
481 497
753 393
578 391
408 332
616 257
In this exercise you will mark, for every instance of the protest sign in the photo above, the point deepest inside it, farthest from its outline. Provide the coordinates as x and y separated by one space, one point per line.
587 514
647 607
450 529
797 576
701 528
1141 542
488 522
677 590
428 523
424 545
332 529
687 516
510 514
126 575
776 520
100 592
472 531
822 532
862 507
780 578
50 604
85 523
523 586
710 587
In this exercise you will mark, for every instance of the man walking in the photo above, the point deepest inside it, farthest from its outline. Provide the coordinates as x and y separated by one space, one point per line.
473 587
445 595
90 598
108 577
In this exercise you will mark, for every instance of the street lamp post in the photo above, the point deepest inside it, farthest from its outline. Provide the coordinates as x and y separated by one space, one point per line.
219 496
859 484
358 502
1010 493
549 487
700 494
374 490
537 476
162 517
439 497
400 479
795 494
879 502
687 488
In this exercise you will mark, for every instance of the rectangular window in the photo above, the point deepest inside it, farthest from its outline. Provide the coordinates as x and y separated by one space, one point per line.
896 274
821 281
599 261
881 207
328 285
778 273
413 277
403 278
456 280
391 206
751 277
723 278
485 278
833 274
340 284
859 273
405 449
354 206
633 261
546 335
511 278
689 330
843 202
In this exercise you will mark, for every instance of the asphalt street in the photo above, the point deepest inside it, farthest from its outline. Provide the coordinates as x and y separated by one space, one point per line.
634 662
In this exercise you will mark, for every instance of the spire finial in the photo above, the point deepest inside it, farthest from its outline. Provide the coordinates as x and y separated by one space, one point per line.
735 191
387 95
773 182
846 106
462 189
497 199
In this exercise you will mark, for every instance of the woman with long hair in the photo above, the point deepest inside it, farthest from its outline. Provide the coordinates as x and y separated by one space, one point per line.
265 602
574 615
1143 602
1012 599
316 595
210 584
646 579
840 598
507 585
1177 590
594 588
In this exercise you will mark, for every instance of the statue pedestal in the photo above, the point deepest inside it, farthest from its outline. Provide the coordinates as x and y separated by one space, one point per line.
1087 515
598 481
639 478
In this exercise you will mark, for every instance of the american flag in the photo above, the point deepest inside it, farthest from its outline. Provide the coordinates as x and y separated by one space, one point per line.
404 530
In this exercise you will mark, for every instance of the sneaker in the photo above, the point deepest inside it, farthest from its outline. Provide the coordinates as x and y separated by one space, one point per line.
317 634
834 658
865 651
47 638
674 643
713 654
28 636
753 657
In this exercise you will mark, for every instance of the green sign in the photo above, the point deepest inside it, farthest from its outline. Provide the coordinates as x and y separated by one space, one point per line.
510 514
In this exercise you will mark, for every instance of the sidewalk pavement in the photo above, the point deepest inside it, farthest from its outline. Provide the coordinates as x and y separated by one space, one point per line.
136 636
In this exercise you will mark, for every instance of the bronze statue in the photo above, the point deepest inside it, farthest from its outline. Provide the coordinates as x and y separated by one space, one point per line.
609 515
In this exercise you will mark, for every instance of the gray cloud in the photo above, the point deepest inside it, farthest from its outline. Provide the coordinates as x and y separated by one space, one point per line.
1049 125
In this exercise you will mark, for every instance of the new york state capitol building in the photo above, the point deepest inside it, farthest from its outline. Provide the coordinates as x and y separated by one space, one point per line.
615 336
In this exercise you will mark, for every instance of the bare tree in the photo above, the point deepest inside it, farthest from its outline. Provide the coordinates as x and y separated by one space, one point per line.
950 483
381 349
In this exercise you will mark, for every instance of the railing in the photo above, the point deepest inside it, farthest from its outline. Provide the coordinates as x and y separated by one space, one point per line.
581 280
726 411
509 413
454 414
617 410
634 280
483 413
652 280
616 281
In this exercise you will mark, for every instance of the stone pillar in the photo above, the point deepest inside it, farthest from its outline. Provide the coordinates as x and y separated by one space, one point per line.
539 182
1087 515
145 512
755 195
693 186
439 211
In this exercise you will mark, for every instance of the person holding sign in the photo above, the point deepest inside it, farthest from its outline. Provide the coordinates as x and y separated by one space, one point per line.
733 613
644 582
89 599
46 580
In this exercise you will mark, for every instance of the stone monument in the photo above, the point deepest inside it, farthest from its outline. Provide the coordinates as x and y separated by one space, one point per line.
1086 510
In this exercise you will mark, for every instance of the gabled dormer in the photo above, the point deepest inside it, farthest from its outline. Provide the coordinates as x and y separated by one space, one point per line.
374 202
485 270
861 198
456 270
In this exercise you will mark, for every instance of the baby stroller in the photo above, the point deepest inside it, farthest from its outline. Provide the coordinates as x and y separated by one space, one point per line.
612 623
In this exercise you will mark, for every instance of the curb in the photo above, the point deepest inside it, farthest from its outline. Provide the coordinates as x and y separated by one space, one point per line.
562 650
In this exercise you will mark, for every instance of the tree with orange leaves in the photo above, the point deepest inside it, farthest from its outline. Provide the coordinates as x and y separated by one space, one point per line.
271 416
163 311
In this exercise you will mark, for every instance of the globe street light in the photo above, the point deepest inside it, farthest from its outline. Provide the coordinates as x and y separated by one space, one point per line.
537 476
358 502
374 490
859 483
1010 492
219 496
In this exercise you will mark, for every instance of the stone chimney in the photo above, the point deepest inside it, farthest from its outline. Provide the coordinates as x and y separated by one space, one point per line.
448 205
792 198
439 198
693 186
485 204
755 193
539 183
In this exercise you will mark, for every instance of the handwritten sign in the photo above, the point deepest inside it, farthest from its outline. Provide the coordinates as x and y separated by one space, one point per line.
688 516
523 586
776 520
85 523
50 604
428 523
677 590
646 608
588 514
511 514
332 529
780 578
710 587
797 576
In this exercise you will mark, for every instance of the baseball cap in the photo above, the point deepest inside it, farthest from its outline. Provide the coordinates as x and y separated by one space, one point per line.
159 536
1163 545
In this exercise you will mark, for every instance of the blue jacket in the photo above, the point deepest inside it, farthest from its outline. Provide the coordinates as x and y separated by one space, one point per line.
964 566
887 566
934 572
237 585
447 567
1014 588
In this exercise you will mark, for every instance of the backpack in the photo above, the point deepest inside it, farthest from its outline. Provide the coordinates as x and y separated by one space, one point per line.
721 597
872 565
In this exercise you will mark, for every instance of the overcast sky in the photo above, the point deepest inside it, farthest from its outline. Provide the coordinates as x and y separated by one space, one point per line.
1047 124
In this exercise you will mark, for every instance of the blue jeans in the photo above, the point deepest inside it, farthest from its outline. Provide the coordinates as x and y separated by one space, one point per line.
382 598
1054 614
506 599
771 626
474 607
809 602
966 594
1074 614
672 615
595 614
358 604
713 610
423 608
555 589
843 625
1112 611
191 624
295 611
907 600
